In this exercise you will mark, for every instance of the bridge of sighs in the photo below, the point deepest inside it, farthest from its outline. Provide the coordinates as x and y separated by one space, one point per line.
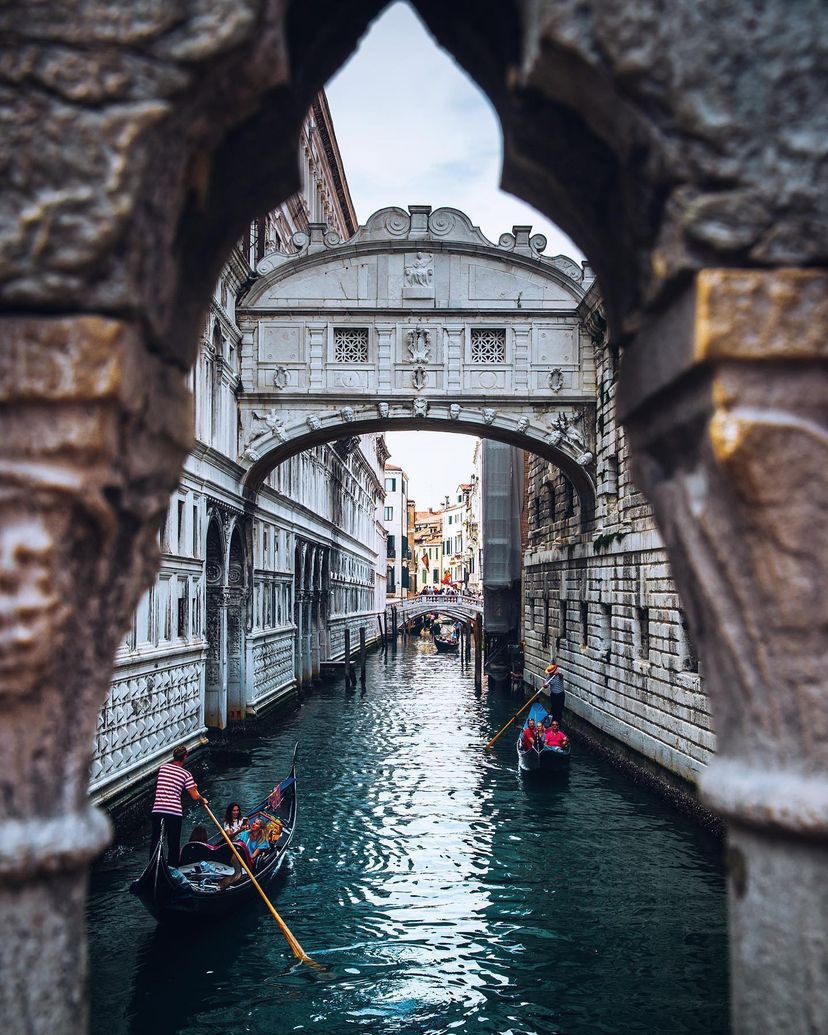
418 322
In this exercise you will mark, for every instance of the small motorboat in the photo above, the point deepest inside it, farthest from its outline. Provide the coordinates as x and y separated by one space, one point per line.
209 879
541 759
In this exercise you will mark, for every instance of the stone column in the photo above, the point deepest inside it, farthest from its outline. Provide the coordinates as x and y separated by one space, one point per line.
729 428
93 429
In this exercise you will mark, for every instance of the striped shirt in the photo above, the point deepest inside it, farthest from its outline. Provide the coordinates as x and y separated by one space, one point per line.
173 780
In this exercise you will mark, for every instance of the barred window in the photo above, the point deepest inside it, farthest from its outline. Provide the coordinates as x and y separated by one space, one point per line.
350 344
488 345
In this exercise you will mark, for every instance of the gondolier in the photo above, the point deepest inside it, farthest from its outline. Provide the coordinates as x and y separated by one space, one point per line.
209 878
554 686
173 779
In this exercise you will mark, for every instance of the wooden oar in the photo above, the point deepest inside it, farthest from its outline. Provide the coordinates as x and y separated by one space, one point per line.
296 948
509 723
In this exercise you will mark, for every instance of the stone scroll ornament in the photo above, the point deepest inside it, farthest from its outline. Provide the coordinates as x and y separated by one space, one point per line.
419 378
274 426
281 378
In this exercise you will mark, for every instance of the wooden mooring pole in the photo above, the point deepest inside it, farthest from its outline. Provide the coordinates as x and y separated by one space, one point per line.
478 652
347 658
363 654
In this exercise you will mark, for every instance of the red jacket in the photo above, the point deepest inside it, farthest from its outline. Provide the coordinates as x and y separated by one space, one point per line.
527 739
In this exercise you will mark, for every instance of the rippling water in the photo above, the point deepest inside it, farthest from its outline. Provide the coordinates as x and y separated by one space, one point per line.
442 891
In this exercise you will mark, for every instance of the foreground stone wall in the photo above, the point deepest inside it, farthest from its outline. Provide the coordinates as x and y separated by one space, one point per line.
684 151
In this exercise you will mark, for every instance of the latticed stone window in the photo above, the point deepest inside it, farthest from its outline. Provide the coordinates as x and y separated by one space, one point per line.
488 345
350 344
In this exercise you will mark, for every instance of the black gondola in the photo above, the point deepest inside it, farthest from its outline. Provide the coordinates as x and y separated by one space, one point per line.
444 644
542 759
445 641
209 880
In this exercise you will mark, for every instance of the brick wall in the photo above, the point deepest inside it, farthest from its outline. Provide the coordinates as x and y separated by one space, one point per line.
598 597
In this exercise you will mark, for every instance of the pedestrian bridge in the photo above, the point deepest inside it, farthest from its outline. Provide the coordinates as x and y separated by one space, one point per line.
418 322
461 606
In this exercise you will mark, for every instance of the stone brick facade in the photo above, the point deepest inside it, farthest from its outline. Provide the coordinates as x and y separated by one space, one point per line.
598 597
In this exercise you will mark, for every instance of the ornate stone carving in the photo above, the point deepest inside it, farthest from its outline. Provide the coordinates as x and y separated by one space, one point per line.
313 422
420 271
419 345
347 414
522 425
420 407
454 411
556 379
274 427
489 415
419 378
281 378
382 409
564 428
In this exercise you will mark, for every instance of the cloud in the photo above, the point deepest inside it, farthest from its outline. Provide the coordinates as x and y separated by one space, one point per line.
415 130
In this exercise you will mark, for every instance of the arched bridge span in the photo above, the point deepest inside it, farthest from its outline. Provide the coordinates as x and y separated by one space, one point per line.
418 322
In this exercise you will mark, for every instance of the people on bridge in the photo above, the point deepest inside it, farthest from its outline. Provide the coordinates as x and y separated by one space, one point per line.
167 815
527 739
554 686
234 820
555 736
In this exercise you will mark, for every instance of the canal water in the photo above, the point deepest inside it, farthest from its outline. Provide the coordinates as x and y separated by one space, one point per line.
442 891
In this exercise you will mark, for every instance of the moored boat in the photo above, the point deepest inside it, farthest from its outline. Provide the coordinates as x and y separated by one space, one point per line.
541 759
209 879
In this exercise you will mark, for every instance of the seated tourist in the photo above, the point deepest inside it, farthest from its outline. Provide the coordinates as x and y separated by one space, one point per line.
555 736
234 821
527 739
199 833
255 839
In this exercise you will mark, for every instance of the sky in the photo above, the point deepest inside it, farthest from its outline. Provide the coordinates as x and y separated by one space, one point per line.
413 129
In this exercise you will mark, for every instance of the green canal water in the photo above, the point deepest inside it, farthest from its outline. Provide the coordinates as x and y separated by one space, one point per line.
443 891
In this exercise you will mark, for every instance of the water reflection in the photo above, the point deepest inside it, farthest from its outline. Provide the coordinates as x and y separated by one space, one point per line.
443 891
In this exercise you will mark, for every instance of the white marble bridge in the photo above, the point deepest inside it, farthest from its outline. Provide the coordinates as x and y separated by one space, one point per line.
464 607
418 322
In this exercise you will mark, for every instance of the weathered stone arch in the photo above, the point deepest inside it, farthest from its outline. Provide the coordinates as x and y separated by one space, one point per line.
274 450
699 200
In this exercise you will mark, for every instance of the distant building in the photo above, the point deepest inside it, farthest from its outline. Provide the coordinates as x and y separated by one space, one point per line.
395 520
428 548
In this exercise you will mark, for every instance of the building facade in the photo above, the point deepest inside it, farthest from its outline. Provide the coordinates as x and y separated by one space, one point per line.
395 519
249 599
599 598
